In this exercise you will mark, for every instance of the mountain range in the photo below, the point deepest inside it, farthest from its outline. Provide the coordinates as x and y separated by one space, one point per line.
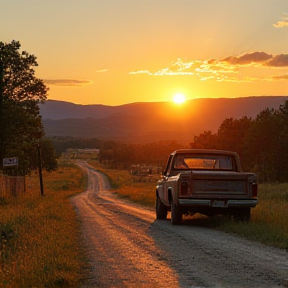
146 122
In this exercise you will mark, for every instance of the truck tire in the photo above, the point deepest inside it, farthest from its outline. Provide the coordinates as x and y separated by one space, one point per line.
176 214
161 211
243 215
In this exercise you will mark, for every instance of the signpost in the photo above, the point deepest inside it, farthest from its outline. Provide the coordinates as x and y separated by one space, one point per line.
10 162
13 161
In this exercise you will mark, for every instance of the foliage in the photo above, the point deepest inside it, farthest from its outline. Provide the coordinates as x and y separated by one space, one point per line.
261 146
47 154
283 140
261 142
123 155
205 140
20 93
140 189
39 244
61 144
232 133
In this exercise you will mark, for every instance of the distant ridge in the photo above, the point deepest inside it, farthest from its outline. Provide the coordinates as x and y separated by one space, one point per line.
54 109
149 121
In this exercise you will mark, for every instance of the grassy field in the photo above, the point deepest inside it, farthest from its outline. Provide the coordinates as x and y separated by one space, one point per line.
39 245
268 223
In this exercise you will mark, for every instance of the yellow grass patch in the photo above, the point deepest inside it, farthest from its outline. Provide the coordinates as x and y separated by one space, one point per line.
39 234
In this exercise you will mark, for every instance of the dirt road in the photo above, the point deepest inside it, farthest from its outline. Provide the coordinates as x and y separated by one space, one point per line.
127 247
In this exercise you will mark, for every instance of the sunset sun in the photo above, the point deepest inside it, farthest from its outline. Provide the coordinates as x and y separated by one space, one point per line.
179 98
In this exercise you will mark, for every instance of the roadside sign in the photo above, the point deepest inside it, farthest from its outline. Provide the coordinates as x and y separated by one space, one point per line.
13 161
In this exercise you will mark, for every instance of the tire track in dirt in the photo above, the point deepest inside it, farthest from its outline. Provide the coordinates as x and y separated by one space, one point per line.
120 251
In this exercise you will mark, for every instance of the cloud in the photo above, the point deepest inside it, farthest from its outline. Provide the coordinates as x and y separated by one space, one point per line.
283 22
248 58
230 69
178 68
102 71
67 82
280 77
140 72
278 61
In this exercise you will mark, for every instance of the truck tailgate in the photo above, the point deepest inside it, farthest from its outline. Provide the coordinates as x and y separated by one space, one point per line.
219 183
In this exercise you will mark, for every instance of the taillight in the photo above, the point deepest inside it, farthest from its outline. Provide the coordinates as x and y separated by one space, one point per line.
184 188
254 189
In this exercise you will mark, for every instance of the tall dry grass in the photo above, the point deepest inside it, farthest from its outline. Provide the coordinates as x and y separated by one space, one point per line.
268 219
140 189
39 234
268 223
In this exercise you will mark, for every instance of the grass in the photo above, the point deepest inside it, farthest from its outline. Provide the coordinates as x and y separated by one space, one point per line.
269 219
39 245
268 223
136 188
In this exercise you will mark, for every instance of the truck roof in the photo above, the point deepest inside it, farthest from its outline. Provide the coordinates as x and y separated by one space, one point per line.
204 151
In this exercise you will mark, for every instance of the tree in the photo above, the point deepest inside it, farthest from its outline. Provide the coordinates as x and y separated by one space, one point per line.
20 93
232 133
205 140
48 155
282 153
262 145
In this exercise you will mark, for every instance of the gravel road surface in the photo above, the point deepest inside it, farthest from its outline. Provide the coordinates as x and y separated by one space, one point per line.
127 247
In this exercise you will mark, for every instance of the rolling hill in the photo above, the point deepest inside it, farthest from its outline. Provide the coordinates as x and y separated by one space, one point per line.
150 121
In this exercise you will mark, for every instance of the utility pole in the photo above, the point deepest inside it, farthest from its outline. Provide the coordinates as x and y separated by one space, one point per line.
1 110
1 83
40 169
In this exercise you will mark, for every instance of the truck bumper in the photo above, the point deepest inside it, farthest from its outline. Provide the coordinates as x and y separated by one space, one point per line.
218 203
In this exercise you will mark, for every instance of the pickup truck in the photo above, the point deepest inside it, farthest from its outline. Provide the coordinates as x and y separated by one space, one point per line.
205 181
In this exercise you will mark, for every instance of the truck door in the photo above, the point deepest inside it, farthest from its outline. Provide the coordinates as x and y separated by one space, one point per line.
165 182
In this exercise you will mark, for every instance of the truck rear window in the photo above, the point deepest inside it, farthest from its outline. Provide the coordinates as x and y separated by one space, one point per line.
205 162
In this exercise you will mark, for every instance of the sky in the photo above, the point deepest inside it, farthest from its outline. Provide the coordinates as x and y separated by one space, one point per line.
114 52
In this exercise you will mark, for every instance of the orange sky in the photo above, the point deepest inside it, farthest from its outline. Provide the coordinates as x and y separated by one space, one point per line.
114 52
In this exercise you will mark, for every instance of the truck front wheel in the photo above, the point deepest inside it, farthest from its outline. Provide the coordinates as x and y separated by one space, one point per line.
161 211
176 214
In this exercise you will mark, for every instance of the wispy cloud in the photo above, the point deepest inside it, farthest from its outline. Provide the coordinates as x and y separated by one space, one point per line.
177 68
283 22
141 72
67 82
102 71
227 69
281 77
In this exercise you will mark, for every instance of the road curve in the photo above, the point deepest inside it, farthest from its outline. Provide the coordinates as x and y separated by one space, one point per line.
127 247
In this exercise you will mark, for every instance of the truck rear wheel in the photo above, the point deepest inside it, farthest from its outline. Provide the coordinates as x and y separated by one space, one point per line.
243 215
176 214
161 211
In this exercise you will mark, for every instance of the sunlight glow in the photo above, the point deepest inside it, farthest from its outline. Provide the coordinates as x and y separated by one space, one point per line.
179 98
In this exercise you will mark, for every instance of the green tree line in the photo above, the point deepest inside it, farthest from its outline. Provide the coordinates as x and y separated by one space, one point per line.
262 143
120 154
